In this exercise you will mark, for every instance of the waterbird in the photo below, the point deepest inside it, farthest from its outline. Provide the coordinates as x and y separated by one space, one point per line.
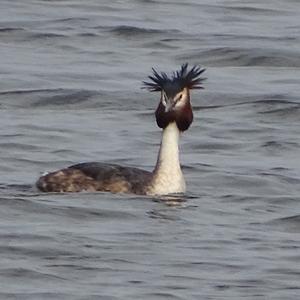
174 115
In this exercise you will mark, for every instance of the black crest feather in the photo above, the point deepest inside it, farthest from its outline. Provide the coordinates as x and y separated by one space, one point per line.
183 78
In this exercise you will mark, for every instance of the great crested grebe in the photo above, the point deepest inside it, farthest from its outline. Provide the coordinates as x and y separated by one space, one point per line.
174 115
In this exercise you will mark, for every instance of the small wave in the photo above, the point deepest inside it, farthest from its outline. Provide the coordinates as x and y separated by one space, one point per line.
10 29
87 34
73 19
293 219
214 146
251 37
132 30
31 274
229 56
279 107
291 223
282 178
17 92
129 31
39 98
18 146
46 35
269 104
71 97
255 10
15 188
292 111
280 145
162 295
40 295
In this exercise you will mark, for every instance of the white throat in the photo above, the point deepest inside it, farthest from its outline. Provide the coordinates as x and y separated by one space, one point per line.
167 175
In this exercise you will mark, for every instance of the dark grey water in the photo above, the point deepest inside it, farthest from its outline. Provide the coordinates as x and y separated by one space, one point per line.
70 92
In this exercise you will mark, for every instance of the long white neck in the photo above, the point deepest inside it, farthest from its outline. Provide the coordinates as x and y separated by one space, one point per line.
167 175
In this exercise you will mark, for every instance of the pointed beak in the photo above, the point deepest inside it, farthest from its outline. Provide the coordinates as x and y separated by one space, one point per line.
169 104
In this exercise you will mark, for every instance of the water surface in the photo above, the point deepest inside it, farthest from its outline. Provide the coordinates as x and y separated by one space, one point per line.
71 74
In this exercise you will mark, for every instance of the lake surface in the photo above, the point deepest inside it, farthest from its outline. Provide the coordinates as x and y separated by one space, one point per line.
70 92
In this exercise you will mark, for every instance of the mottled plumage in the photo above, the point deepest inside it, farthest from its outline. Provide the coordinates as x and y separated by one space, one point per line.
95 176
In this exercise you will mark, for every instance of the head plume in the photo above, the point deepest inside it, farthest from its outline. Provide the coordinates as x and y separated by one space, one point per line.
183 78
